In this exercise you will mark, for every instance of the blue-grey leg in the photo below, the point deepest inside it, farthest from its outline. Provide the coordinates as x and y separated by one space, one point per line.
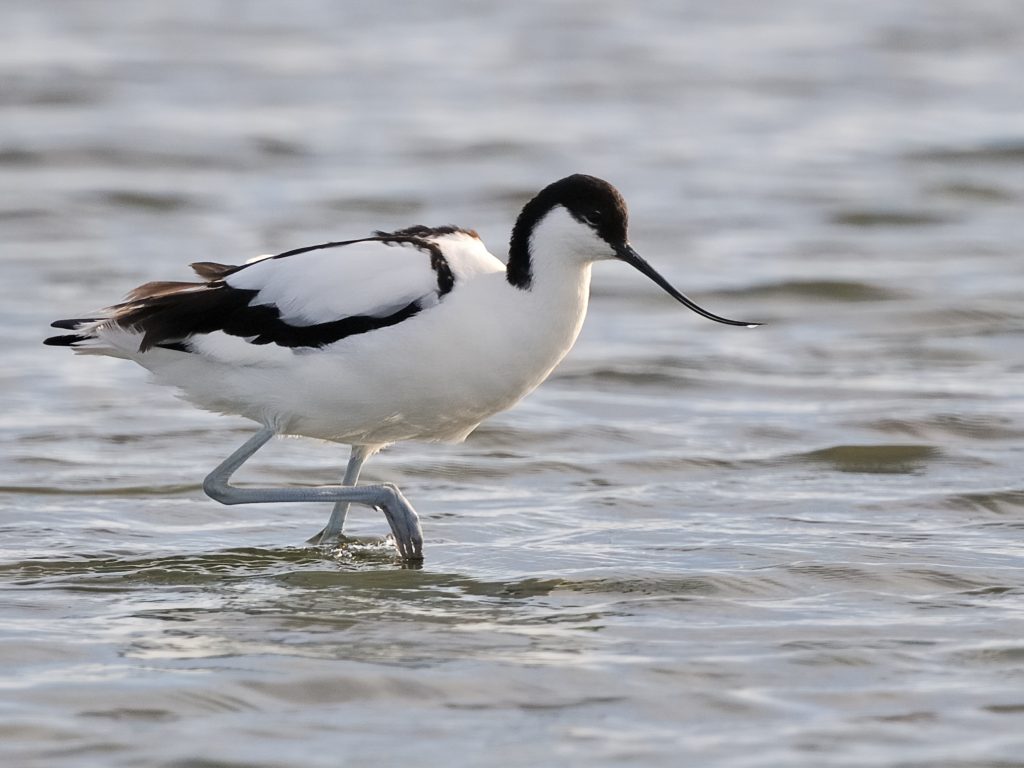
404 522
335 526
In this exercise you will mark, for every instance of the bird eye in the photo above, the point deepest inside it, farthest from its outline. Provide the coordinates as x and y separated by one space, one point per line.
592 217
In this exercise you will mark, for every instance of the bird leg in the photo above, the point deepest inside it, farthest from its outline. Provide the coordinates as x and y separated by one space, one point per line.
336 524
404 522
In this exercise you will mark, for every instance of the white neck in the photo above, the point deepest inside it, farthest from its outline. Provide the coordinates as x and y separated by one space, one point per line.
561 253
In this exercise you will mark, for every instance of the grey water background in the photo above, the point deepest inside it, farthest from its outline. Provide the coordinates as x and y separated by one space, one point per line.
694 545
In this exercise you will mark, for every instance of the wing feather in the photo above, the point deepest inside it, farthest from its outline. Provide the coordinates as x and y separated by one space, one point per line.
306 298
301 299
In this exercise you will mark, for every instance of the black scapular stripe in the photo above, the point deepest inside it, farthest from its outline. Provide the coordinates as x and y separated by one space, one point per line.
273 330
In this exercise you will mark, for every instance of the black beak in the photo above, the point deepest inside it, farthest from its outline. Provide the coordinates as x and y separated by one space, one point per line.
626 253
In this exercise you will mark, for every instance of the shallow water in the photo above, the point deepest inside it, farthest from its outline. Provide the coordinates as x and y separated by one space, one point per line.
694 544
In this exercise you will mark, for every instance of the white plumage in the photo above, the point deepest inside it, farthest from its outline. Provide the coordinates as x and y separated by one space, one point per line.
419 334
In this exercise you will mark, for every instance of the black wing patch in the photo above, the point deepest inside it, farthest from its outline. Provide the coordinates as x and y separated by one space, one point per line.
169 319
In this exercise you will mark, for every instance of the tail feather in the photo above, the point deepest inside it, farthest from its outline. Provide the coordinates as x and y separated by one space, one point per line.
68 340
73 324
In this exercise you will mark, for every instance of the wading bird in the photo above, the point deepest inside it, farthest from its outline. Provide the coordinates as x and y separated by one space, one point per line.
417 334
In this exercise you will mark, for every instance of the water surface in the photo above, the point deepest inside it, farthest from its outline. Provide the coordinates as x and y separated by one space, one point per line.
798 545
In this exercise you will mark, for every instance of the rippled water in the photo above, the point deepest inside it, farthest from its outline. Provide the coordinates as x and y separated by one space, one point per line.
698 545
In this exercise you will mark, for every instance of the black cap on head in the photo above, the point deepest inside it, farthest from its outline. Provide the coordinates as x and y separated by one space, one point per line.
594 202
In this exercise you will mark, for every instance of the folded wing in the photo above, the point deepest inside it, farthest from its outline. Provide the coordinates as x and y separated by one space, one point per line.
306 298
